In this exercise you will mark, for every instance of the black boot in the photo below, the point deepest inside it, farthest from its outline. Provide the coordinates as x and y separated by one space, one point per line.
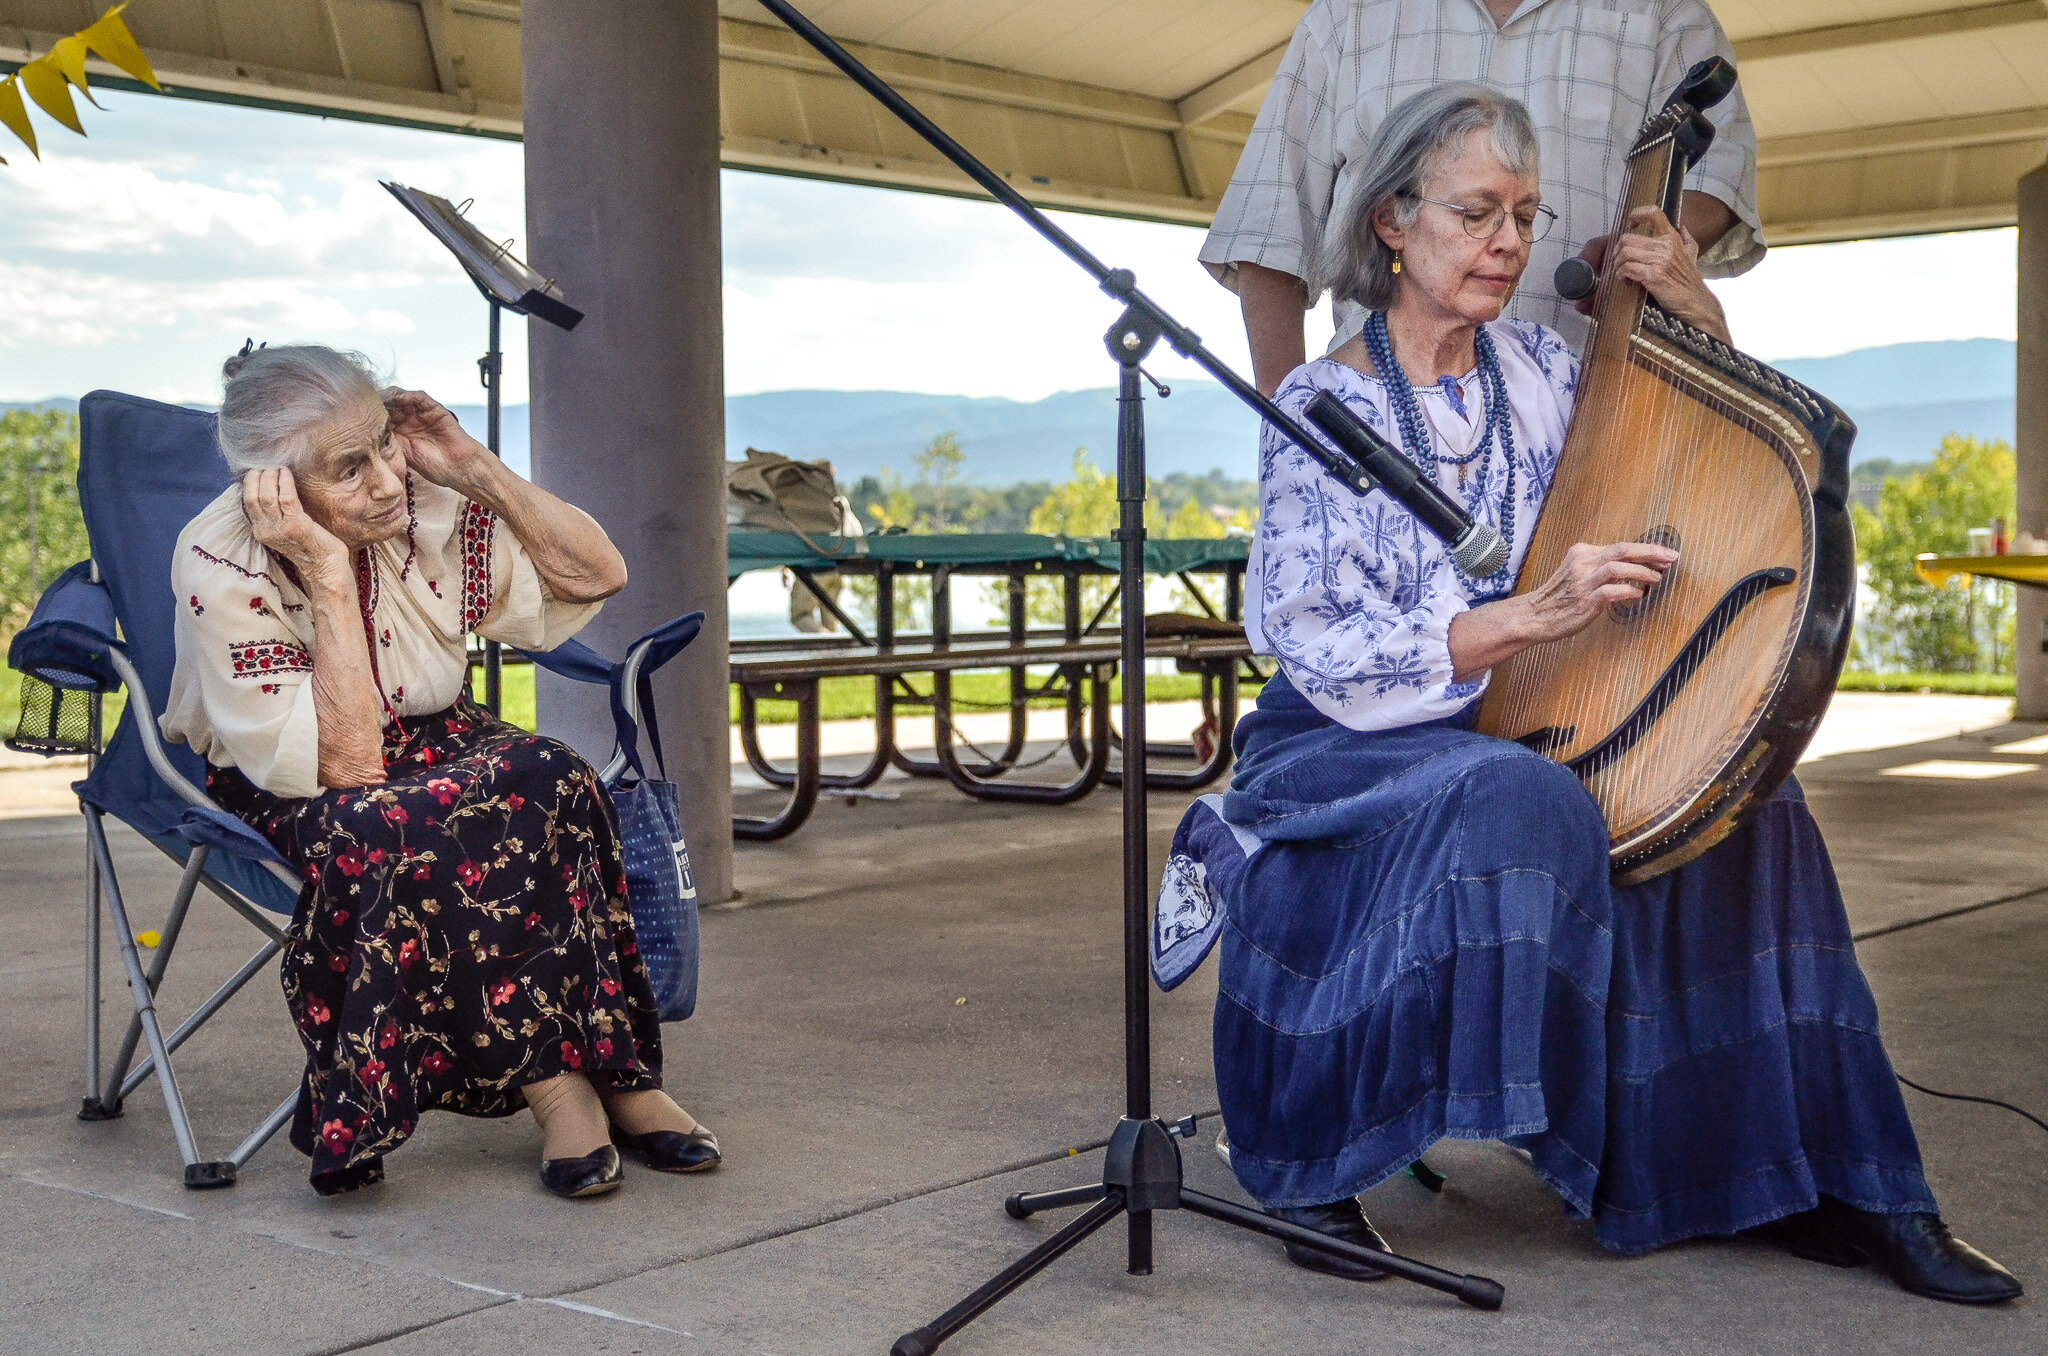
1340 1219
1806 1234
1919 1253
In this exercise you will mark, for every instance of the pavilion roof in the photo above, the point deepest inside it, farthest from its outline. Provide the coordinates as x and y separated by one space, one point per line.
1876 116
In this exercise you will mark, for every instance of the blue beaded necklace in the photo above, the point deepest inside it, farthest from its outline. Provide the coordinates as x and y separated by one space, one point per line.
1421 447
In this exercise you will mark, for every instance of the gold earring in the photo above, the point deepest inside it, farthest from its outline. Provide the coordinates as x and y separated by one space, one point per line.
1397 263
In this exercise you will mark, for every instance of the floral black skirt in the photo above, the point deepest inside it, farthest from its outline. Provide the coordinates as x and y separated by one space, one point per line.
463 932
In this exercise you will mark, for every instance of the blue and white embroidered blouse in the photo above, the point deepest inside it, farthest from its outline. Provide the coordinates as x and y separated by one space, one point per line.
1352 595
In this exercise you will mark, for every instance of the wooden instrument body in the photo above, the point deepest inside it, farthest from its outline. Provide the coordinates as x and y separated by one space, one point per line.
1683 712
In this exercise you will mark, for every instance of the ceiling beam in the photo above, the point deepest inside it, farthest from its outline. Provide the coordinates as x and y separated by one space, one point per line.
770 45
451 67
1905 138
202 77
1228 89
1932 221
1839 38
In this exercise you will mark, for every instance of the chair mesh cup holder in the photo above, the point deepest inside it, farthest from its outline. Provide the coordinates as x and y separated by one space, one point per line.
55 721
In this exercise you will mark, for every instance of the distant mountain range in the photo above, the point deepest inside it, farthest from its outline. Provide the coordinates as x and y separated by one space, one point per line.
1904 397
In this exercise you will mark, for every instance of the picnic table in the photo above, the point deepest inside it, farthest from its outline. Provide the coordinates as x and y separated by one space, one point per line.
2030 570
1082 657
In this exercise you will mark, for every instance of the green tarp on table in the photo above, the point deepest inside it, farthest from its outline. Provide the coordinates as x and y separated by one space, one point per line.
773 550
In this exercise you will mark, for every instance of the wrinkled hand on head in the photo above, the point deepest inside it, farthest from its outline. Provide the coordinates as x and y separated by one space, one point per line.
432 439
280 522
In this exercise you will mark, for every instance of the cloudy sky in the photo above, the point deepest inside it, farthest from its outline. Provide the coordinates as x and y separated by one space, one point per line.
141 255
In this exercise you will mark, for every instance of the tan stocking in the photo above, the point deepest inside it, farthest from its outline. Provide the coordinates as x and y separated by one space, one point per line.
571 1118
643 1113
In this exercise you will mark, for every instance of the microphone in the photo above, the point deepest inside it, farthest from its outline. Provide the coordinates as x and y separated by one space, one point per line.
1476 548
1575 279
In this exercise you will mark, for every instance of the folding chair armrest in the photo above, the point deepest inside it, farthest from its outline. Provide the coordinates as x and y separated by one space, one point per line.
70 640
152 738
575 660
216 828
205 822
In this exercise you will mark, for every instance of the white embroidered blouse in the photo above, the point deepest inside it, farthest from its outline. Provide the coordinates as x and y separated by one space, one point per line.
241 695
1350 593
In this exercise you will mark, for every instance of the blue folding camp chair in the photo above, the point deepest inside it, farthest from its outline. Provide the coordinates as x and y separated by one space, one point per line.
145 470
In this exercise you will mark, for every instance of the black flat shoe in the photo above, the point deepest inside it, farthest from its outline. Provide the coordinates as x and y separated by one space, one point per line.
1339 1219
1919 1253
672 1150
591 1175
1807 1235
354 1177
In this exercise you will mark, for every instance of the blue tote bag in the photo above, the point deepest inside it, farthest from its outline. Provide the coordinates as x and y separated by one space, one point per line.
659 886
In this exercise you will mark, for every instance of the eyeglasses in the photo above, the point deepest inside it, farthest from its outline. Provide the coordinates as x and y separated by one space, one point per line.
1483 223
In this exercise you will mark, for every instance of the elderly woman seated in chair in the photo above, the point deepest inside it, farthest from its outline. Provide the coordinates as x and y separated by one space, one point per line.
1426 944
463 941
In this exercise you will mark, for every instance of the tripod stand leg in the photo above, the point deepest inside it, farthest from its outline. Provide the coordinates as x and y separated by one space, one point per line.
1477 1291
926 1340
1025 1204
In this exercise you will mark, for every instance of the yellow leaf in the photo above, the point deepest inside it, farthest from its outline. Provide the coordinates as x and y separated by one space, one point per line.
68 56
112 40
14 115
46 85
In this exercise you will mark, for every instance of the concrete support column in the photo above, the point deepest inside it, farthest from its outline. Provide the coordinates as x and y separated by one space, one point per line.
621 107
2030 634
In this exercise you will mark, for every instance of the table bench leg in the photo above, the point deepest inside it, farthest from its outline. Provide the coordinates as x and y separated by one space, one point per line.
750 744
1037 793
1224 675
804 795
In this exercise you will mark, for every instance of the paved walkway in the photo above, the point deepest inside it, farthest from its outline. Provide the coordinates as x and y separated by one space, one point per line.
874 1122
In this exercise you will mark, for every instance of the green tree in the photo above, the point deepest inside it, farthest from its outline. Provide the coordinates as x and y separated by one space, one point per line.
41 530
1913 625
938 466
1083 507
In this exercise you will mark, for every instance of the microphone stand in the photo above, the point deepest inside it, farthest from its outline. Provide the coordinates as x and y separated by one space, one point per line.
1142 1165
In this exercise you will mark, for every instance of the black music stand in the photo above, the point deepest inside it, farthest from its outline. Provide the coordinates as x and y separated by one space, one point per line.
1142 1166
508 284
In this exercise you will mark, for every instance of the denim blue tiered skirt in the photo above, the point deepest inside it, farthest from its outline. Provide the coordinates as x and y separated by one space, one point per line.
1425 945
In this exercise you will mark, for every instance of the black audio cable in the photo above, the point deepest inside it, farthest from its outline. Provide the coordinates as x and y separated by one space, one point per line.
1965 1097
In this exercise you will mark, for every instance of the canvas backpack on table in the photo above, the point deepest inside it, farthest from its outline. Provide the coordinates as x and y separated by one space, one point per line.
769 492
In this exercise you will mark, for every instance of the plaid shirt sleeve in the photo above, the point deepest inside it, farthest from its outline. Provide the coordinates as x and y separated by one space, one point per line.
1273 212
1689 34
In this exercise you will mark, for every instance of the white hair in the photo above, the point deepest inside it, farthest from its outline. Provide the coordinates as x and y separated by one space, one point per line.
1354 264
277 398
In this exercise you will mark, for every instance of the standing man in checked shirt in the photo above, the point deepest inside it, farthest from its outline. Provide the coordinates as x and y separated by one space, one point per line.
1590 72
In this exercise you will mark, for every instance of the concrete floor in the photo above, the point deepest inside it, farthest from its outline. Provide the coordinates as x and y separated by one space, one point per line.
873 1123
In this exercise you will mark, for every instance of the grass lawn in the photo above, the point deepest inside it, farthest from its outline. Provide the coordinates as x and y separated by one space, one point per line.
854 698
1966 684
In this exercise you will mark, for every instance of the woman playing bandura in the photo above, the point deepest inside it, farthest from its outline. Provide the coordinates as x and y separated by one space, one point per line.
1426 943
463 940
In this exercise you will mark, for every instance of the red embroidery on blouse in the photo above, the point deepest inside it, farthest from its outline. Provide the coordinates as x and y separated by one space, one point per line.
412 527
207 555
478 524
261 658
366 597
290 574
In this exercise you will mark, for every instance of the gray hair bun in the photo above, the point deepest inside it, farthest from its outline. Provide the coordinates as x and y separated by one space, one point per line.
277 399
232 368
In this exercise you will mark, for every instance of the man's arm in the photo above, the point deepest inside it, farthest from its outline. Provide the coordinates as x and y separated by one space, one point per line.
1273 313
1706 218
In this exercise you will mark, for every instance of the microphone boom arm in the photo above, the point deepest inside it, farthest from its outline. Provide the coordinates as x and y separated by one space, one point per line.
1120 283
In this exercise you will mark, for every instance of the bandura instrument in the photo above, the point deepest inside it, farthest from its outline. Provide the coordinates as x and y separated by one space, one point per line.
1686 710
